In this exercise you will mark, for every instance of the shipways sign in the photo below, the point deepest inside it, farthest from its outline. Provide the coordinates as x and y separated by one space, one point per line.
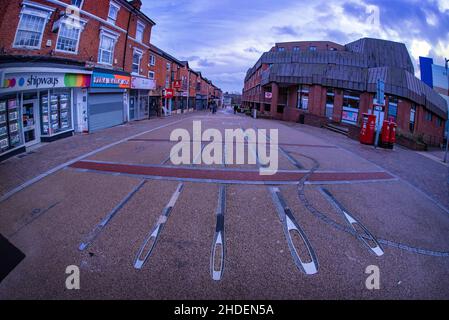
39 80
107 80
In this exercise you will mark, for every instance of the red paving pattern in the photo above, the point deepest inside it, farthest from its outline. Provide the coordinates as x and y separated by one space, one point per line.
227 175
280 144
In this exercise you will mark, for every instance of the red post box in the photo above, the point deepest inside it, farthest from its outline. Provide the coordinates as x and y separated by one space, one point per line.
385 135
392 141
368 131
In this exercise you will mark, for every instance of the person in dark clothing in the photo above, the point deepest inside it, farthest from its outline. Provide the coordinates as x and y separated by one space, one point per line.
235 109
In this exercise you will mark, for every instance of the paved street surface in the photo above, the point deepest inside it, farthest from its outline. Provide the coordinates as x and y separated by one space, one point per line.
309 232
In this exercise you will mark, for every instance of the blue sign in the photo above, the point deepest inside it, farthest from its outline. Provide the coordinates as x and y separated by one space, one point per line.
380 92
107 80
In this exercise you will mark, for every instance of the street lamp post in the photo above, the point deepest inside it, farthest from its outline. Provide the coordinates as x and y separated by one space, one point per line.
447 132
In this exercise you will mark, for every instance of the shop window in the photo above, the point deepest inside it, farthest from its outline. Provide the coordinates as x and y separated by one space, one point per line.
303 97
68 38
106 52
10 124
137 58
412 118
392 108
351 104
31 28
140 31
56 111
330 98
113 12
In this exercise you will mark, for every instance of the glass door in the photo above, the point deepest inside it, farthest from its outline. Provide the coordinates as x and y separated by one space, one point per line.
30 122
132 108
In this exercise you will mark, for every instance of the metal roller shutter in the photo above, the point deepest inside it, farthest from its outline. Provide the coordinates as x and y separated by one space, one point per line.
105 110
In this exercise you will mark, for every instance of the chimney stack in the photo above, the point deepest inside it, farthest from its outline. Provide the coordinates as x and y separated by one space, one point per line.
136 4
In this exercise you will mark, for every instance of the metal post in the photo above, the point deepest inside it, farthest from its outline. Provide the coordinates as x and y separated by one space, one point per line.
447 132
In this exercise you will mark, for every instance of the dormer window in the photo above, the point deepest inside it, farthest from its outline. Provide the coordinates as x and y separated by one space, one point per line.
78 3
113 12
140 31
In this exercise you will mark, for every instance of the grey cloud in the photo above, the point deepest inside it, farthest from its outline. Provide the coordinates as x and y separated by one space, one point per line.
252 50
286 30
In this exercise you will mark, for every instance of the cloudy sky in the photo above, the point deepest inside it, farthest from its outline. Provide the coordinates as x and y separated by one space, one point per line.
223 38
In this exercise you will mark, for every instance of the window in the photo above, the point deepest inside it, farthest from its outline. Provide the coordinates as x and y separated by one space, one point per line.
412 118
68 38
167 81
137 57
152 60
332 49
296 49
393 108
168 66
113 12
281 49
106 52
439 122
312 48
303 97
77 3
330 97
31 28
151 75
429 116
351 102
140 31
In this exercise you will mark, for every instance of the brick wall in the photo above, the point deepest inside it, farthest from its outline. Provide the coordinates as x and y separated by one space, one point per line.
89 39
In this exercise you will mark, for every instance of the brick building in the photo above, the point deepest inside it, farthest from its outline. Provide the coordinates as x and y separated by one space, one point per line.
190 89
69 66
324 82
78 66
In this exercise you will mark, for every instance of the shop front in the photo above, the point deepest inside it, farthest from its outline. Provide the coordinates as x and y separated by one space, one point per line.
107 99
139 101
36 105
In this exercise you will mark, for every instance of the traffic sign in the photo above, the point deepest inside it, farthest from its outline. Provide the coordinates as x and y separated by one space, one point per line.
177 84
169 93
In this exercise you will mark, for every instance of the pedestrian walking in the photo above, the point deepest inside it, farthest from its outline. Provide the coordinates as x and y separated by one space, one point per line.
235 108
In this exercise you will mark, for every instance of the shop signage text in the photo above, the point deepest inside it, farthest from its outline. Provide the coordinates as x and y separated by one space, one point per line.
29 81
142 83
106 80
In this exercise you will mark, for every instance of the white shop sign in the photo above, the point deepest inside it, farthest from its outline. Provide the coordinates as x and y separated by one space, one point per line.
143 83
42 80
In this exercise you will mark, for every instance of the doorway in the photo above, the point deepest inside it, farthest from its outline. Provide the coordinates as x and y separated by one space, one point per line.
30 120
